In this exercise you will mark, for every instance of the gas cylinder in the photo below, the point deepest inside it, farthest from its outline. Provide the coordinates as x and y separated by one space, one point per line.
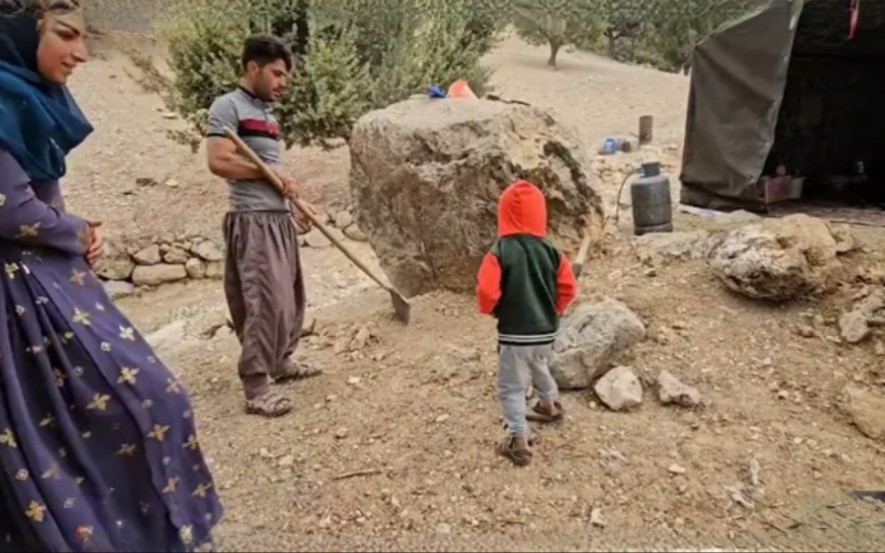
650 196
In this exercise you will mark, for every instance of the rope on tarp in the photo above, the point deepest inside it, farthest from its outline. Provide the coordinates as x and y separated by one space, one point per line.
855 13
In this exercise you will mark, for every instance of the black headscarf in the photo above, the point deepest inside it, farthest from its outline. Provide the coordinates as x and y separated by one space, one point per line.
19 36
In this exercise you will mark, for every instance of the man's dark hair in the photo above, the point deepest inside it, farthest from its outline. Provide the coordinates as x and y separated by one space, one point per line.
263 49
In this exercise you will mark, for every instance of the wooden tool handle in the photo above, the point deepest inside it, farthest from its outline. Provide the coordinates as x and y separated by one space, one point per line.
275 180
582 251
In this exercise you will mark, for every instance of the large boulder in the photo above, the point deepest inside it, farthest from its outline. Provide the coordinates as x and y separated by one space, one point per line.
777 259
426 176
591 338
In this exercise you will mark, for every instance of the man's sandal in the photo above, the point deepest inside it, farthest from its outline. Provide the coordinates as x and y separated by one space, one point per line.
269 405
293 372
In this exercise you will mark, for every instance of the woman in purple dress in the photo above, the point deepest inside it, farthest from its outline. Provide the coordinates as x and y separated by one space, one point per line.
98 450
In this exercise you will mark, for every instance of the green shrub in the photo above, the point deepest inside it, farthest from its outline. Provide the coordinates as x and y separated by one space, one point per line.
357 55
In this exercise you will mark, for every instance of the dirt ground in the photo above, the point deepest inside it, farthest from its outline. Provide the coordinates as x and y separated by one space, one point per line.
393 447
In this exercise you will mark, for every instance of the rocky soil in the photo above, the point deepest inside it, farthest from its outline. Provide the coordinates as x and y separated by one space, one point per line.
741 424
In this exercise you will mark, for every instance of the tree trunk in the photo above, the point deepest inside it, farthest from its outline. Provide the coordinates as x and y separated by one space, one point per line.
302 28
612 52
554 50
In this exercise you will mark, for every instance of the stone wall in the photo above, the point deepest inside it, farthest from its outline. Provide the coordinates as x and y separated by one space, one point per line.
131 263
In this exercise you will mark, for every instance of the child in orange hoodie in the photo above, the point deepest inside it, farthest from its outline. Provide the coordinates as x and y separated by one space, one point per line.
527 284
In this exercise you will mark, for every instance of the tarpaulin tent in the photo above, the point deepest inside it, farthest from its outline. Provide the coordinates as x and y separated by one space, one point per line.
793 83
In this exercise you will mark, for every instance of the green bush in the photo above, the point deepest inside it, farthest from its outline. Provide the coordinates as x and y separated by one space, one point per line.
357 55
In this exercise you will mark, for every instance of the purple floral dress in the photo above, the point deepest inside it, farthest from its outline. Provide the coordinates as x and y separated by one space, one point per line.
98 450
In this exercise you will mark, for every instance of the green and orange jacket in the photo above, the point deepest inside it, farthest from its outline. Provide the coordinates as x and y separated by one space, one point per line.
524 281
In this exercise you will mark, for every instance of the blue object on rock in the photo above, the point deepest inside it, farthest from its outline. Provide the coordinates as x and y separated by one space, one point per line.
435 92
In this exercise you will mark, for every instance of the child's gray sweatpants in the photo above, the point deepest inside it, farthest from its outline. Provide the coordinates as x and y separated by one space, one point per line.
519 366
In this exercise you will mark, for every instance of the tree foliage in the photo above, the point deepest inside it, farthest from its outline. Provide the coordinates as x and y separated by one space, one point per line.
662 33
556 23
351 55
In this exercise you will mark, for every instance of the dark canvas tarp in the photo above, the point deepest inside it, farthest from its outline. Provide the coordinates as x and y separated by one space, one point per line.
738 77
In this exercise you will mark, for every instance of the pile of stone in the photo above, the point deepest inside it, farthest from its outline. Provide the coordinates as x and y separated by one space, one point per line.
149 262
158 260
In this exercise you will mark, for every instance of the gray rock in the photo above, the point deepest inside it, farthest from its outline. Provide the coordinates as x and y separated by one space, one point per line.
214 270
867 411
426 176
148 256
167 336
778 259
845 242
175 256
591 338
343 220
195 267
855 325
115 262
207 250
117 289
671 390
619 389
659 248
354 233
316 239
155 275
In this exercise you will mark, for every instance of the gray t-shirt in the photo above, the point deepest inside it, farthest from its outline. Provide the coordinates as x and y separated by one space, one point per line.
253 121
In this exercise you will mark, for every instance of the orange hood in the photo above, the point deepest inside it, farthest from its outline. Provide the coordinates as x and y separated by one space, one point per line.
522 209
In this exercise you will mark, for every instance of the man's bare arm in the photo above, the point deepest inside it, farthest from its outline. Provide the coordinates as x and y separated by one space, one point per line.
225 162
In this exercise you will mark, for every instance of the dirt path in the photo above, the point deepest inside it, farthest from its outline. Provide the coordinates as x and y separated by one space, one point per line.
416 408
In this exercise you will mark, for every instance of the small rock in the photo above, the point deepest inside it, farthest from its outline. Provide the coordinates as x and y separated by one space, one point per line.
172 183
207 250
343 219
867 411
316 239
806 331
442 418
360 339
755 471
676 469
167 336
214 269
620 389
354 233
195 267
146 181
845 241
175 256
738 497
879 348
354 380
116 289
596 518
670 390
853 327
341 433
148 256
155 275
286 461
855 324
444 529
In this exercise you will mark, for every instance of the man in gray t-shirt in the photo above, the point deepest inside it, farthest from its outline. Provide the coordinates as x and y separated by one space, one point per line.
262 278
